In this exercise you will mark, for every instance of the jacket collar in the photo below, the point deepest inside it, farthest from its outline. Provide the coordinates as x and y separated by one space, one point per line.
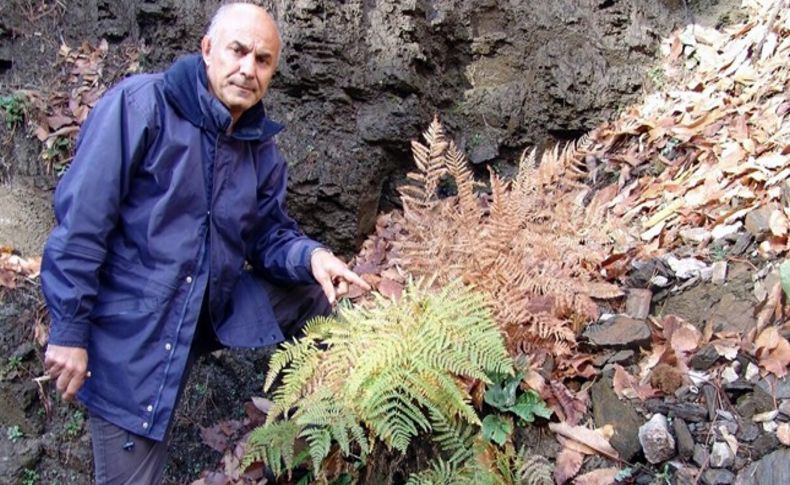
186 88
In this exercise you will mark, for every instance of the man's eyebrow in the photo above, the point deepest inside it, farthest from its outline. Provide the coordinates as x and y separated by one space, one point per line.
241 45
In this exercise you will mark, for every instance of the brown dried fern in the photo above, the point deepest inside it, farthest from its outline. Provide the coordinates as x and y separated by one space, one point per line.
529 244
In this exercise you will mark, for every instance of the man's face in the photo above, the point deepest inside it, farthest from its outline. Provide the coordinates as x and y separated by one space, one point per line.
242 57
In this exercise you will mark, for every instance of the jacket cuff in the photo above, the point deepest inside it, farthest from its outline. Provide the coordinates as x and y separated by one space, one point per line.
303 270
74 334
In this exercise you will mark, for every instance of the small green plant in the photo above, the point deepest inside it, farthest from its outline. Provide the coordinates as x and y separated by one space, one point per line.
657 76
718 253
505 397
11 367
74 424
29 476
13 108
14 433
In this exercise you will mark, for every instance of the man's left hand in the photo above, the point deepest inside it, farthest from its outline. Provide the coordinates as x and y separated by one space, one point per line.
333 275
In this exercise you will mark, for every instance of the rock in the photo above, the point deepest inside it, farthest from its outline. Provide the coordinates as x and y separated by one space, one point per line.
725 230
732 314
654 271
619 333
748 432
704 358
16 457
784 407
764 444
656 439
754 403
710 401
684 439
742 244
717 477
687 411
695 235
637 305
757 222
773 469
701 455
685 268
721 456
623 357
779 388
785 198
719 274
609 409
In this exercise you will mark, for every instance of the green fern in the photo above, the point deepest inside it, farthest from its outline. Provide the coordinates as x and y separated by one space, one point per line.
384 373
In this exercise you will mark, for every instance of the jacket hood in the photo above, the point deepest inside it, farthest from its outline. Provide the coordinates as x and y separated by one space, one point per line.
186 88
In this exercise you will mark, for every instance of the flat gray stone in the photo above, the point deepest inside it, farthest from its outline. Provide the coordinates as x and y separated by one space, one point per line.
781 387
619 333
717 477
684 439
773 469
609 409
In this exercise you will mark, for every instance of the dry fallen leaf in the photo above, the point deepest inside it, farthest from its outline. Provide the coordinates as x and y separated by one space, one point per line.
569 462
602 476
628 386
587 437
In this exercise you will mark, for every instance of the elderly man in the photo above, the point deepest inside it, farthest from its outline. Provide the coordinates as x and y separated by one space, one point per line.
176 183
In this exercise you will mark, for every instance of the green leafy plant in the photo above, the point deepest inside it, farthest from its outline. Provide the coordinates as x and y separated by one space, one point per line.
11 367
492 466
74 424
504 396
13 108
386 373
29 476
14 433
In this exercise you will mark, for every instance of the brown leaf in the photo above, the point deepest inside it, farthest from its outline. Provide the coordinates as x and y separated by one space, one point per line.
571 406
685 339
58 121
7 278
214 438
390 288
569 462
587 437
628 386
262 404
602 476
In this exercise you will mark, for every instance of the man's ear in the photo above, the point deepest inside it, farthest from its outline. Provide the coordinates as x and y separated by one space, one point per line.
205 48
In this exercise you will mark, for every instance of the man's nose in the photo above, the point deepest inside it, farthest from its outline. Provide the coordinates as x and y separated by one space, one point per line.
247 65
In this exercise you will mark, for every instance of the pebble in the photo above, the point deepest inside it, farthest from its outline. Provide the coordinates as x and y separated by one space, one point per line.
656 439
784 407
701 455
684 439
620 333
721 456
719 275
749 432
717 477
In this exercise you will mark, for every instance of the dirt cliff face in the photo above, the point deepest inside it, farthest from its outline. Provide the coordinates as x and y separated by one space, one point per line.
360 78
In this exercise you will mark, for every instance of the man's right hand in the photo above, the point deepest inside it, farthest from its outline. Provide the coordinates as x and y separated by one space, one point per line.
67 365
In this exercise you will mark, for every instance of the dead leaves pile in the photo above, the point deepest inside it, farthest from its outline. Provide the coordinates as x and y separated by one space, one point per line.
718 135
56 112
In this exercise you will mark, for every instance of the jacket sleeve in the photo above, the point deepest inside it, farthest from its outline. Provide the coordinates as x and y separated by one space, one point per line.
278 248
111 144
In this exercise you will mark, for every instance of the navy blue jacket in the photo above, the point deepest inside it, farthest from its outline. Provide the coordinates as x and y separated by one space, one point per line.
162 204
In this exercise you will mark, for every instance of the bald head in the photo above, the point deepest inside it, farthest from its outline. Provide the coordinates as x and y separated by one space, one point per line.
241 50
